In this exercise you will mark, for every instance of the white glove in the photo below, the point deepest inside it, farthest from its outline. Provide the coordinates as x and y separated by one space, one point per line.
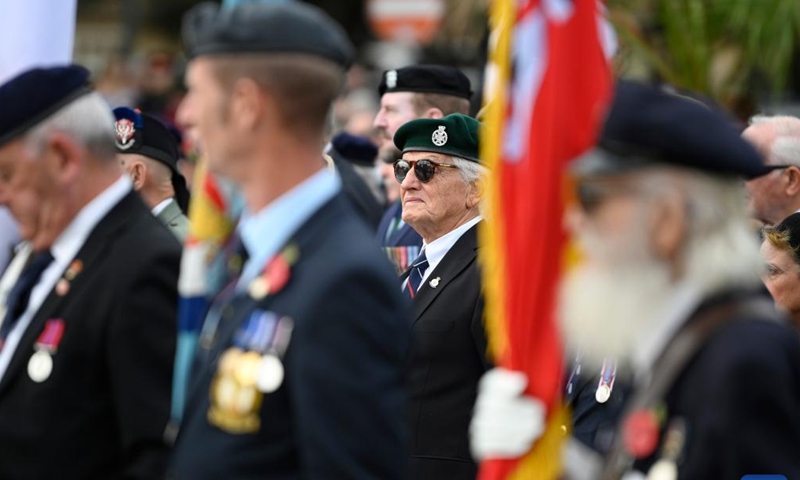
505 422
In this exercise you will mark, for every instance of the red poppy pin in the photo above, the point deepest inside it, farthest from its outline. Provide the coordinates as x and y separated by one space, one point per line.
275 275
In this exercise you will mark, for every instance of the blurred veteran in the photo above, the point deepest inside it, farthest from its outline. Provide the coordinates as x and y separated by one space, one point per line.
302 372
439 174
149 153
88 330
670 286
780 251
417 91
776 194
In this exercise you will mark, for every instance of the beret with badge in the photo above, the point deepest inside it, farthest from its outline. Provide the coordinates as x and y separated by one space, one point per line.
146 135
647 126
426 79
290 27
455 134
32 96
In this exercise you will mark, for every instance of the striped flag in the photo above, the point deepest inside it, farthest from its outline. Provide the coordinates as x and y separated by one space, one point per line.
548 84
214 208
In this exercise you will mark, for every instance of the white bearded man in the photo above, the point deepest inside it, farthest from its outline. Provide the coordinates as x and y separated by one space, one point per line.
670 289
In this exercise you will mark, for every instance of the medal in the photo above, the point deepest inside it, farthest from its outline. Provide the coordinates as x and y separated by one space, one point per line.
663 470
607 377
435 282
40 366
246 368
270 374
259 288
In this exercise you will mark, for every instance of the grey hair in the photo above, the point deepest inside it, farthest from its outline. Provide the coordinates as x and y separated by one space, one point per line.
721 249
87 119
785 149
471 172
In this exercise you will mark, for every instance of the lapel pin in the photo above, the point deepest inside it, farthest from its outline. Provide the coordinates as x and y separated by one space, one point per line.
435 282
259 288
62 287
74 269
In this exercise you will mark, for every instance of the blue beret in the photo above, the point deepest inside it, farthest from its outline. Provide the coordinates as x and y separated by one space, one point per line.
34 95
646 126
291 27
426 79
358 150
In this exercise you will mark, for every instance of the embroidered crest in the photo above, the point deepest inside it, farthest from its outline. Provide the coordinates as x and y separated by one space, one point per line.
439 137
391 79
125 131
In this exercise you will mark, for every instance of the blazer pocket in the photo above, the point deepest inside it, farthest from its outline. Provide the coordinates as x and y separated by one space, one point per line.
435 325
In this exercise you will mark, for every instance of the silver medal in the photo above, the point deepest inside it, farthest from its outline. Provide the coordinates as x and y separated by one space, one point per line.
40 366
602 394
663 470
270 374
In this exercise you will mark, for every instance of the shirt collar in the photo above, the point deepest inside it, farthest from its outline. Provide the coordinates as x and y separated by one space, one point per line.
66 246
161 206
266 231
437 249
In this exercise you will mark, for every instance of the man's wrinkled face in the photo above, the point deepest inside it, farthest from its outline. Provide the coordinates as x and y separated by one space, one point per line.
782 278
440 205
27 188
397 108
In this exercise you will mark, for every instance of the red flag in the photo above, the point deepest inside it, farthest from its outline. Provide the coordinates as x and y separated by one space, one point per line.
541 116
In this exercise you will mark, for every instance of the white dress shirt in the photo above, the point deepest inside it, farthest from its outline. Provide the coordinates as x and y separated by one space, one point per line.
64 249
437 249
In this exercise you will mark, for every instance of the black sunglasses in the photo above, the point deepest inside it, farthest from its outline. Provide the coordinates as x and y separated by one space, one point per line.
776 167
423 169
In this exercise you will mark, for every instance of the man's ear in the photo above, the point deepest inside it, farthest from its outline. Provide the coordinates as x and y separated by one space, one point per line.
65 157
138 174
247 103
433 112
668 226
792 180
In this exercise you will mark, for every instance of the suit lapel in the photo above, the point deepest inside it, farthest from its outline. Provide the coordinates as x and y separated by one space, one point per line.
454 262
92 250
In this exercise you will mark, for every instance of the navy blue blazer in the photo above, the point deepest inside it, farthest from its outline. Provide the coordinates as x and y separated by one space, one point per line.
339 412
404 236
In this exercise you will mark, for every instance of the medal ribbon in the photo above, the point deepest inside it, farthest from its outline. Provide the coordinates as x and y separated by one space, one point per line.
608 375
257 333
51 335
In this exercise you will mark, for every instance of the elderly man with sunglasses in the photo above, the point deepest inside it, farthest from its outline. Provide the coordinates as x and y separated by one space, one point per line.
439 174
776 195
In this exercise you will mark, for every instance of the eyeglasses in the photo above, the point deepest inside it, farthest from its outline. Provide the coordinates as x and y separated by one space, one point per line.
776 167
424 169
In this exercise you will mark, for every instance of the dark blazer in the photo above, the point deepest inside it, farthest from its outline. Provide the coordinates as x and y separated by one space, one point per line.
339 412
447 360
739 400
405 236
101 413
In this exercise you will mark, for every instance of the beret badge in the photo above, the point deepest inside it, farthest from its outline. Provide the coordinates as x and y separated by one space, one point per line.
125 130
439 137
391 79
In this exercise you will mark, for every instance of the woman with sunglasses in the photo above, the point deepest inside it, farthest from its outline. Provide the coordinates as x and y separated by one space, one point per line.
439 173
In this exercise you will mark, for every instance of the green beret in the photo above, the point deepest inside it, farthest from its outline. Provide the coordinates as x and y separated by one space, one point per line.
455 134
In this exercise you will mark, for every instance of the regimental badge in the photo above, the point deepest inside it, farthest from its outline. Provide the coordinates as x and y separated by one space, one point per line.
125 131
435 282
391 79
439 137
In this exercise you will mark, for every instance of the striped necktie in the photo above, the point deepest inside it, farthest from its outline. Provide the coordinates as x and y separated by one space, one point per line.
418 268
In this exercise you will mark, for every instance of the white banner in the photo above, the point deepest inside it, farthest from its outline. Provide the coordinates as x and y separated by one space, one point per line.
35 33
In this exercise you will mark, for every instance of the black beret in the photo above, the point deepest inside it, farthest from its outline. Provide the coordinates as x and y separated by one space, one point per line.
358 150
646 126
34 95
455 134
146 135
291 27
426 79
